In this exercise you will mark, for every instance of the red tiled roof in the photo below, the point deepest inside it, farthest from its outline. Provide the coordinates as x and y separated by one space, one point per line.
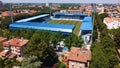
33 11
6 13
15 42
111 19
2 39
77 54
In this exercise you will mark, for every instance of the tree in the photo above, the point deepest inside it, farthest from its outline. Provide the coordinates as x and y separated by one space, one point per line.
39 42
61 65
31 62
8 63
117 37
44 52
1 63
73 40
21 16
113 60
95 62
1 33
5 23
7 33
1 47
106 49
108 42
46 10
103 15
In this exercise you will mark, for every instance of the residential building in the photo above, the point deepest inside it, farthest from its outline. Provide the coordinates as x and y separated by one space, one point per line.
13 47
78 58
112 22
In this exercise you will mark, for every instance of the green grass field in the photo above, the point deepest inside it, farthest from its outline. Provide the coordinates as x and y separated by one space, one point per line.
76 23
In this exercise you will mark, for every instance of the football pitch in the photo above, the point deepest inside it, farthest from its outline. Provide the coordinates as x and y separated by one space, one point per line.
76 23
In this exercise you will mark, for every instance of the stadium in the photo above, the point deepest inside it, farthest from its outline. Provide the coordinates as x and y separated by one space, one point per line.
43 22
40 22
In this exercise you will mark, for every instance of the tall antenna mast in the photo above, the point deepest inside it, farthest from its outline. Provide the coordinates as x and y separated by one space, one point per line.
11 13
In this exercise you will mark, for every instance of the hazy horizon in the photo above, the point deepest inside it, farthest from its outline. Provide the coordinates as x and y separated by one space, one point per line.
61 1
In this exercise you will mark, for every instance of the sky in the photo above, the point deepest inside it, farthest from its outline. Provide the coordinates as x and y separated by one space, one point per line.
60 1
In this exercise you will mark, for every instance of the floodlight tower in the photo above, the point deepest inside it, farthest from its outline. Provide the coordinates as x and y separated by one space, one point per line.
93 15
11 12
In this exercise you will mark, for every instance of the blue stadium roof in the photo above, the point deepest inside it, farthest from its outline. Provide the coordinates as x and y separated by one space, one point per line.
43 26
86 26
32 18
69 13
87 19
87 22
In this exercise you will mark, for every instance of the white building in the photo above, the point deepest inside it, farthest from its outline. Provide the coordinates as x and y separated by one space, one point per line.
112 22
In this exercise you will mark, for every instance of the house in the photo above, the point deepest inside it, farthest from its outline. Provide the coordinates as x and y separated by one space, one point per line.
14 47
5 14
112 22
78 58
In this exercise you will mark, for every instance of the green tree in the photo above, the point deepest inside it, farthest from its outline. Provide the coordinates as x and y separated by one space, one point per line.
31 62
117 37
113 60
1 47
103 15
7 33
1 63
61 65
5 23
44 52
39 42
73 40
8 63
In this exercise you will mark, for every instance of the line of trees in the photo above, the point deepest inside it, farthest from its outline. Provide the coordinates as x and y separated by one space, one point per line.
104 53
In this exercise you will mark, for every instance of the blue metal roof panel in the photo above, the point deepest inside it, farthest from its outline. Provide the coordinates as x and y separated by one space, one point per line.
43 26
86 26
87 19
32 18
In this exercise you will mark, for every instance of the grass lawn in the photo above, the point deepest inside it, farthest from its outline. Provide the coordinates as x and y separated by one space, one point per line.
76 23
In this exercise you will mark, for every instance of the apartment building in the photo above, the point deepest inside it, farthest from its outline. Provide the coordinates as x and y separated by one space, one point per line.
77 58
13 48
